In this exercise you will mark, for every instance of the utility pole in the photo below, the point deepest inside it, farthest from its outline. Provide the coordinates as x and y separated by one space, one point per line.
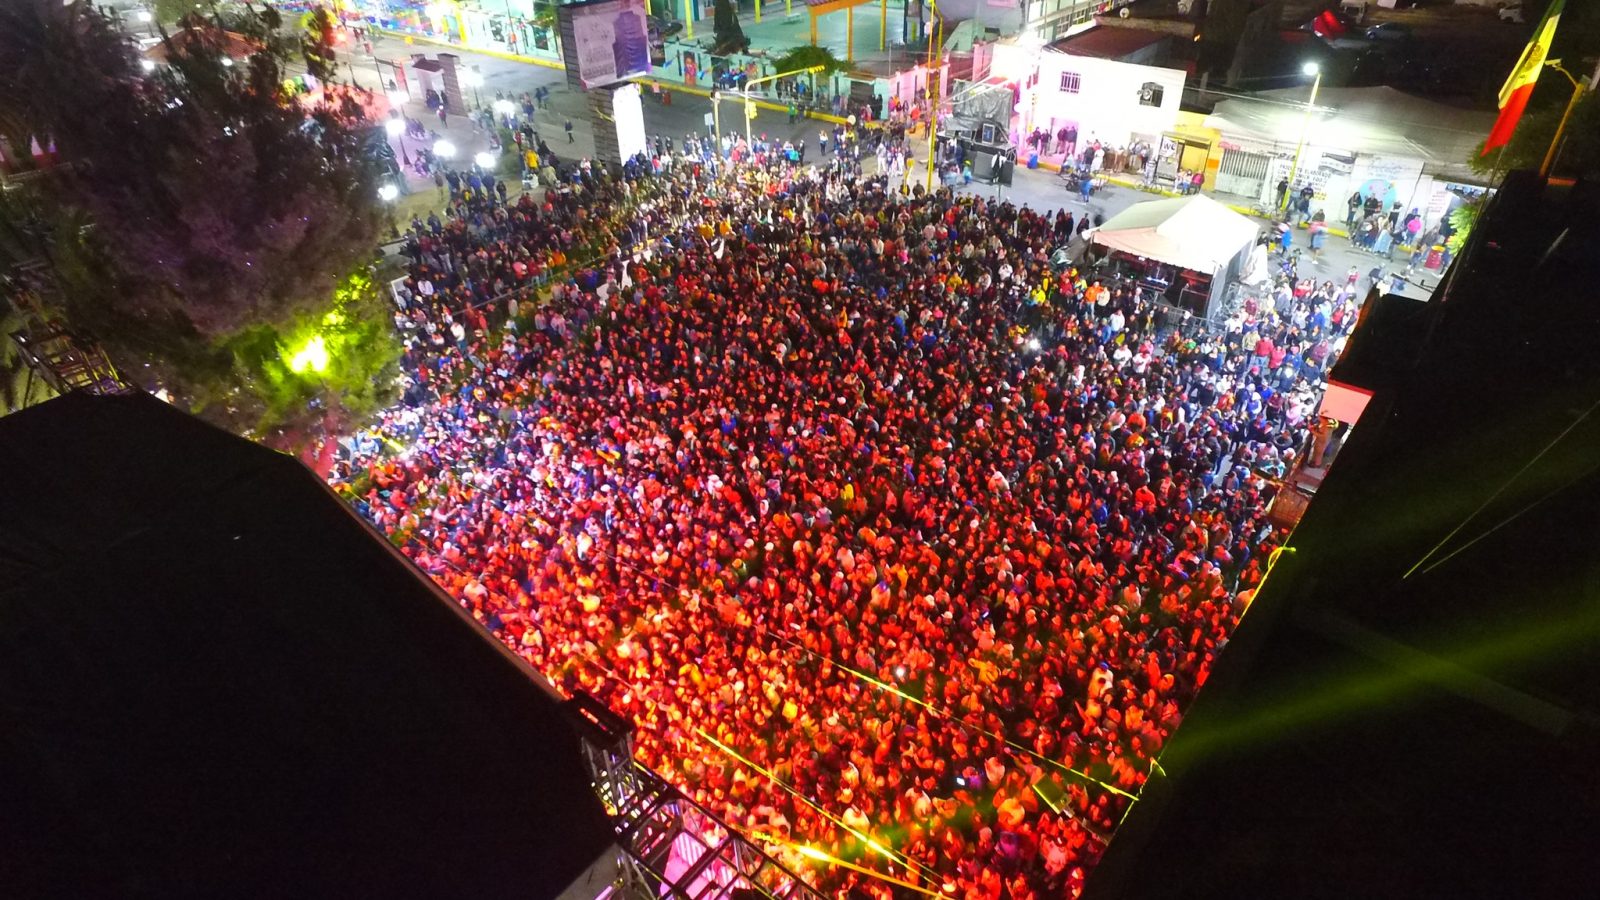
1561 129
1313 69
935 50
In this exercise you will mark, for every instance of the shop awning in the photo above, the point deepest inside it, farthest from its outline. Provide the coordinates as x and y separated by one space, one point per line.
1376 121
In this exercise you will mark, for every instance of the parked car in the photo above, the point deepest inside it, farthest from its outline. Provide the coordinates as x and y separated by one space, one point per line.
1330 24
1511 12
1388 31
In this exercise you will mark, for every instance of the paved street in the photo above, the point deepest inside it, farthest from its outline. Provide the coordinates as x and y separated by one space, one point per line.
1044 190
685 113
1038 188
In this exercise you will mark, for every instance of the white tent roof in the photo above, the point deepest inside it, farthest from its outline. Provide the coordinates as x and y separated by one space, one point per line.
1195 233
1380 121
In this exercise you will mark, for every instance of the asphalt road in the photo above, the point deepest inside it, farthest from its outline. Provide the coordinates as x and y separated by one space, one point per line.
1040 189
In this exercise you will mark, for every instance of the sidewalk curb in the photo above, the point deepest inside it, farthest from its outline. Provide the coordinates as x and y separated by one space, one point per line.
648 79
498 54
736 97
1123 181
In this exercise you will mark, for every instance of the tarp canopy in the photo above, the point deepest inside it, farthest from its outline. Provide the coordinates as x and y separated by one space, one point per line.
1376 121
1194 233
235 45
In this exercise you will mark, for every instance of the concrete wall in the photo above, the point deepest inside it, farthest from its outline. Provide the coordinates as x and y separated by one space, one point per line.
1107 104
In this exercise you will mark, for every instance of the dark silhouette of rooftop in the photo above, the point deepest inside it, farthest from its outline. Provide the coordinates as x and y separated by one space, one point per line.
217 681
1410 708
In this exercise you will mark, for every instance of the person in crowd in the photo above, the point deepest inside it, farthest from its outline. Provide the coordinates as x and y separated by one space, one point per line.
855 483
1353 215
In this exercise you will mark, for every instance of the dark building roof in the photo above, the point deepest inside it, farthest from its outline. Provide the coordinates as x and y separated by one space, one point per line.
215 680
1111 42
1373 733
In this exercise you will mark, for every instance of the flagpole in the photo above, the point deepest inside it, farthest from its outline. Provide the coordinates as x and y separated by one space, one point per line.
1519 86
1555 142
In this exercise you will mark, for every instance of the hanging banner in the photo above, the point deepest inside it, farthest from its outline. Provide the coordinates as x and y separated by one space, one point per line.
604 42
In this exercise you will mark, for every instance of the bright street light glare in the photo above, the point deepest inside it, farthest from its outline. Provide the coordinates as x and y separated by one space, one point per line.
472 78
444 149
227 62
144 16
394 127
388 192
397 98
485 160
149 65
504 107
1310 68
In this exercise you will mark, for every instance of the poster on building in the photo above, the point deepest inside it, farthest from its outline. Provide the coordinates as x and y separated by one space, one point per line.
604 42
1391 179
1167 158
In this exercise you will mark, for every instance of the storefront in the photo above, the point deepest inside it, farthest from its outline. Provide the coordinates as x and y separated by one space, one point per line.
1372 143
1178 153
505 26
1089 99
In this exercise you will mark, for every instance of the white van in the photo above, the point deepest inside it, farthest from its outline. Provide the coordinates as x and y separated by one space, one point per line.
1354 10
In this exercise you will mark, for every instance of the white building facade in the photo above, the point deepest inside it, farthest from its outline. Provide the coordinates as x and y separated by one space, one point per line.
1113 102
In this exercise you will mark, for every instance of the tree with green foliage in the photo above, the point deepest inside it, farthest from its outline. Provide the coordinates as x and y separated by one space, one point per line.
168 12
821 59
202 214
729 34
1580 150
808 57
1462 220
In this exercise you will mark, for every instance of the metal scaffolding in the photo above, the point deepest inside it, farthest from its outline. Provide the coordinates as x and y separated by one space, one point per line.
671 846
60 357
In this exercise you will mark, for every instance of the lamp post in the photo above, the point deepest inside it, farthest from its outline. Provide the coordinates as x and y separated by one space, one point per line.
506 110
716 118
472 78
1555 142
749 107
1315 70
935 54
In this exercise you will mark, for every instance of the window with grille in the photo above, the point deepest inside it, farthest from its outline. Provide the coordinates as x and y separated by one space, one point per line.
1069 82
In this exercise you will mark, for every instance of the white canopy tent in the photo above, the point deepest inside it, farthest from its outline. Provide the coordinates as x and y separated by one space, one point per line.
1194 233
1377 121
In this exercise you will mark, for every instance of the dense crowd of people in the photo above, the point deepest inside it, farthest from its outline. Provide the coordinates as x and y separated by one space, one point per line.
894 539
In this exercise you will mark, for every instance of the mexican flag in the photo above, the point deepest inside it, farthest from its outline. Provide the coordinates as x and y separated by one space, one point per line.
1514 95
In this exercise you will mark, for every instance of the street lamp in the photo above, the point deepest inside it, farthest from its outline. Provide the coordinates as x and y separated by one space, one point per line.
505 108
484 159
1555 142
749 106
443 149
388 192
472 78
1315 71
394 126
716 118
397 98
149 65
